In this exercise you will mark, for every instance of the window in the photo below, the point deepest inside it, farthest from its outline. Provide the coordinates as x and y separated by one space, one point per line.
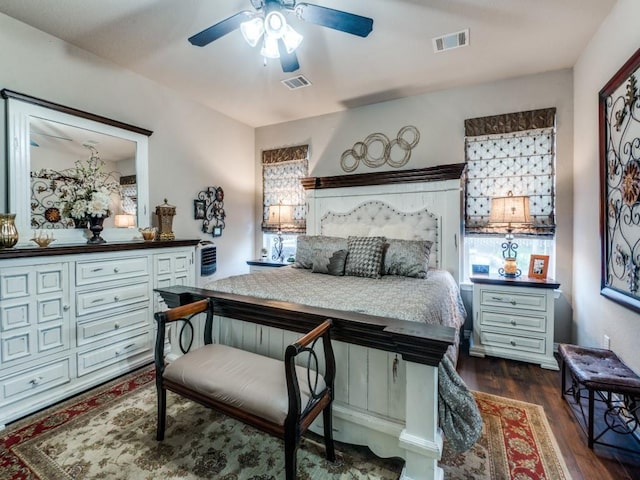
512 153
282 170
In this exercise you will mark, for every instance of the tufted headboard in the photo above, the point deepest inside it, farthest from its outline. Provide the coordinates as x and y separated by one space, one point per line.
420 203
376 218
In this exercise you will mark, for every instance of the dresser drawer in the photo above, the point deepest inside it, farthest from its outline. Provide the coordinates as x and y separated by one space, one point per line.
532 343
505 298
513 321
93 330
88 273
35 381
110 298
104 356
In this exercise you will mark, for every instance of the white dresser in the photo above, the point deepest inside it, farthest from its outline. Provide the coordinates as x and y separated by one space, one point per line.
72 317
514 318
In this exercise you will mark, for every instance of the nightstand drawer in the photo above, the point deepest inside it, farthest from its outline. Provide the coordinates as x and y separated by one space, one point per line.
505 298
530 344
513 321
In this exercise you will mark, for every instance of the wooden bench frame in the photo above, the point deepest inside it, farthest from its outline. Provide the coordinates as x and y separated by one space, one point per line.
298 419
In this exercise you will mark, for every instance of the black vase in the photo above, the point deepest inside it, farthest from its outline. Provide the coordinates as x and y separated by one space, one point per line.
79 222
95 225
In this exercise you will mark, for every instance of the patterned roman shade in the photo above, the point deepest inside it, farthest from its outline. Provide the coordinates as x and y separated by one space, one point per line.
282 170
511 153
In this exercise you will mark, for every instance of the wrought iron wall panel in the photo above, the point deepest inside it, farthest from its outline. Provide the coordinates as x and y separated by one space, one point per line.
620 185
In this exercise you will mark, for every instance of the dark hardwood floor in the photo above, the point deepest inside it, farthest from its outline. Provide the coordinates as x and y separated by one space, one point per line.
530 383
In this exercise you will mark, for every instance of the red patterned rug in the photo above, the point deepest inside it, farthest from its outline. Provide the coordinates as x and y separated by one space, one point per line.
109 433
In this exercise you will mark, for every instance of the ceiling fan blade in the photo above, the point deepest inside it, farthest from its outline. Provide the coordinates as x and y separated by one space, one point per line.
336 19
220 29
289 61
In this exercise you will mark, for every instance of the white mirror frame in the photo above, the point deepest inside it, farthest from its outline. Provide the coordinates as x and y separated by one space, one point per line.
19 114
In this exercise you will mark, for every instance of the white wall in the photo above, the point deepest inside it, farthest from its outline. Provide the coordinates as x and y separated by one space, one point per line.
440 119
594 316
191 148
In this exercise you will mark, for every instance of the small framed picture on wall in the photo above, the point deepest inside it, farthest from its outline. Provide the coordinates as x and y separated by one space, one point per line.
199 209
538 266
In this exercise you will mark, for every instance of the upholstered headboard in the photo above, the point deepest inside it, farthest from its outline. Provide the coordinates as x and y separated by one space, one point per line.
420 203
376 218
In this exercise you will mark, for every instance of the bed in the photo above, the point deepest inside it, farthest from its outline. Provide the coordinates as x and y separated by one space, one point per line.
387 351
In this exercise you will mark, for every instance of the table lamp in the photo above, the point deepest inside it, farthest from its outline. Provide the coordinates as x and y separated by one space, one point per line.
507 211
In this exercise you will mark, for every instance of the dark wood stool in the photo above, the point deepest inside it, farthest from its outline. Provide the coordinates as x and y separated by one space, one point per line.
601 372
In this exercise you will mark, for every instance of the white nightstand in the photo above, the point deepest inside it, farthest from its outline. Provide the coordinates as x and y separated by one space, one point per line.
262 265
513 318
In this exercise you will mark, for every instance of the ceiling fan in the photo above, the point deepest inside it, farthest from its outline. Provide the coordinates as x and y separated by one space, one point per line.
280 40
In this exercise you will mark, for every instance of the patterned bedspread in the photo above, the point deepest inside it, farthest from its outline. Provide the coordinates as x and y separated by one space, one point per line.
434 300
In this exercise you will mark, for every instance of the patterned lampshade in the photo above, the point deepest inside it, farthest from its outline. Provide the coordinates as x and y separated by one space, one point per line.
510 209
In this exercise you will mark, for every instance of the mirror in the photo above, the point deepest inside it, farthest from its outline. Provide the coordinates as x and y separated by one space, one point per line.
48 145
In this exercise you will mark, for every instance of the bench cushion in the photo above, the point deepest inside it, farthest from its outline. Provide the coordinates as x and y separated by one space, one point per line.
600 369
253 383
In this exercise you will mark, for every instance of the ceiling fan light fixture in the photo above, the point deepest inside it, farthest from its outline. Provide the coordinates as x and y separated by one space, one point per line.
275 24
270 47
252 30
291 39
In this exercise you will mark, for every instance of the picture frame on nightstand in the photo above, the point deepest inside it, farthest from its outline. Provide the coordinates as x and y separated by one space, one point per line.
538 266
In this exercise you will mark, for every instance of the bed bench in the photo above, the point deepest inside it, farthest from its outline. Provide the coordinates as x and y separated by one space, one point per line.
257 390
601 372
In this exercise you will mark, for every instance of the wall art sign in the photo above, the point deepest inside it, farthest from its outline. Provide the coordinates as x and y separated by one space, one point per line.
620 186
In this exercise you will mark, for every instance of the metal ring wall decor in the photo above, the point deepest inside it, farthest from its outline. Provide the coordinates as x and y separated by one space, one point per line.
361 151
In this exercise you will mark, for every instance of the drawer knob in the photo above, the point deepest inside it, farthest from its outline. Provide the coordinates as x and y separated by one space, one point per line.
116 298
66 308
116 270
513 344
36 381
513 322
116 326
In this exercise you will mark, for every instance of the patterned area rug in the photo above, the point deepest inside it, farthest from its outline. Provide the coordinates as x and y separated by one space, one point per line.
109 433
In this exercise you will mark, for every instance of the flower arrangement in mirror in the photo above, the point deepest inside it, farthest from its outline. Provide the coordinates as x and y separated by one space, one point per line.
88 193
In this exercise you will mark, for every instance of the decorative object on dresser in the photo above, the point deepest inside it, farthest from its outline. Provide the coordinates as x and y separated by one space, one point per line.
124 220
620 186
514 318
43 239
508 211
376 150
74 316
148 233
209 207
8 231
165 213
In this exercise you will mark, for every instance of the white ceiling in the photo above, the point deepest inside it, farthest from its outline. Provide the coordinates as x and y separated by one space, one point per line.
508 38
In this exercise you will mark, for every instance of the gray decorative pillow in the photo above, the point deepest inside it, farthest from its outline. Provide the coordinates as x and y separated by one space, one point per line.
365 257
408 258
331 263
308 244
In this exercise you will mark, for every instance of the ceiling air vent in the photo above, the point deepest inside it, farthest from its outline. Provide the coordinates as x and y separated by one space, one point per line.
452 40
294 83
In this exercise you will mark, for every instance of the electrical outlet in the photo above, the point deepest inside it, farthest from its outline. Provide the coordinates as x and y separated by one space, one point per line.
606 342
